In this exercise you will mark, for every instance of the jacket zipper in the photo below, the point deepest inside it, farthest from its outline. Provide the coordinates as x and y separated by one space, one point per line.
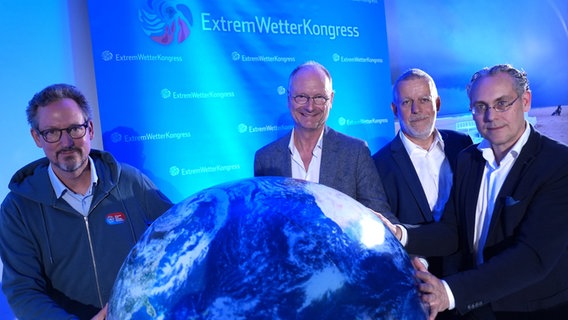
94 261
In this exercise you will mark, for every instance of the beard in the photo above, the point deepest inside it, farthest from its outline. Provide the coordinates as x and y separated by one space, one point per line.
421 132
70 162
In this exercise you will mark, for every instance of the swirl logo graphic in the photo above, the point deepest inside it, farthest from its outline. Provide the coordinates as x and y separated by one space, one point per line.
116 137
174 171
242 128
164 20
281 90
107 55
165 93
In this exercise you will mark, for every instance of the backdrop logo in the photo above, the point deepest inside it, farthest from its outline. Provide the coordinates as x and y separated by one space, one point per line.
165 93
116 137
163 21
174 171
242 128
107 55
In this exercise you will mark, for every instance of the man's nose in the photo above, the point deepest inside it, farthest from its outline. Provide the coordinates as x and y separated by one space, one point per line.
66 138
415 108
310 104
489 114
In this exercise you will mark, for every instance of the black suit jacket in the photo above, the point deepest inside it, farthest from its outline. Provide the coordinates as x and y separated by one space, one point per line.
346 165
526 252
403 189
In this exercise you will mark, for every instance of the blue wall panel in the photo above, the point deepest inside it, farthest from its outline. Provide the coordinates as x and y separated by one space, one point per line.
189 90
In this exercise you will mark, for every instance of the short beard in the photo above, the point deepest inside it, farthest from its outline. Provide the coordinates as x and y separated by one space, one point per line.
420 134
73 167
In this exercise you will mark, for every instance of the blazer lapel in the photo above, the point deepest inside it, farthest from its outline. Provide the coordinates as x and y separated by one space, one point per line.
328 152
285 161
402 160
451 149
471 185
514 179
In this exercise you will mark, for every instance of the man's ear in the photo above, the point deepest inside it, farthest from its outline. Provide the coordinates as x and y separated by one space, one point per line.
36 137
91 131
394 110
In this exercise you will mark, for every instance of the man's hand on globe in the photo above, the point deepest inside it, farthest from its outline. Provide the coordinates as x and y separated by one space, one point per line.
392 227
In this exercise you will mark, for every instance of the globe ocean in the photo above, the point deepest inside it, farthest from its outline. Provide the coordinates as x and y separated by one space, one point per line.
267 248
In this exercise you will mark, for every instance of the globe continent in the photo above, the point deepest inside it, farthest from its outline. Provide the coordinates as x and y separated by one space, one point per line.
267 248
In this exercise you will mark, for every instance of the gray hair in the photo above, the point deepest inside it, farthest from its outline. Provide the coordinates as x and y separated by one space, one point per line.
520 80
55 93
411 74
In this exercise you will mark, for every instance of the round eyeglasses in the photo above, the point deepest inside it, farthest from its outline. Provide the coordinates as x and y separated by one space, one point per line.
304 99
77 131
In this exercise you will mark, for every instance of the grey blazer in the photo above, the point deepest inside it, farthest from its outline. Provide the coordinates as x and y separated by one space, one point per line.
346 165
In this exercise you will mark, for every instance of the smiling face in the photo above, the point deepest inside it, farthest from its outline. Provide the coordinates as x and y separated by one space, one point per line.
501 129
67 155
416 106
310 81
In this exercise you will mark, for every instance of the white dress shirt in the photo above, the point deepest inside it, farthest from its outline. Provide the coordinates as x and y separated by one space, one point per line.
434 171
494 175
298 170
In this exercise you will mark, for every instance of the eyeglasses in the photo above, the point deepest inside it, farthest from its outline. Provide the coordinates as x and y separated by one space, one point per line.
303 99
500 106
77 131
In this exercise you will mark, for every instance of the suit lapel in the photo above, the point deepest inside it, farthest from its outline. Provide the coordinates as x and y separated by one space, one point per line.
450 149
328 151
471 185
514 179
402 160
285 161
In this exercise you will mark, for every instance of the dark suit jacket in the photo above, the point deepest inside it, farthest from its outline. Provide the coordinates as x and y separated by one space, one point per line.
526 253
402 185
346 165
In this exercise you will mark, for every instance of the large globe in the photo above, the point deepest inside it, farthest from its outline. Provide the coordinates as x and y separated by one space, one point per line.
267 248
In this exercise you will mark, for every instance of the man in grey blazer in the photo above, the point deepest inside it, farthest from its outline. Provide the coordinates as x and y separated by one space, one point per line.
314 152
417 164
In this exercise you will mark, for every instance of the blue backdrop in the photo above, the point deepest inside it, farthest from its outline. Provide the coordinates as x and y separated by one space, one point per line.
48 42
189 90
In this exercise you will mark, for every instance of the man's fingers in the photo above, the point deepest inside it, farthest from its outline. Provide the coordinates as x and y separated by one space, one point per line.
424 276
431 304
418 265
426 288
